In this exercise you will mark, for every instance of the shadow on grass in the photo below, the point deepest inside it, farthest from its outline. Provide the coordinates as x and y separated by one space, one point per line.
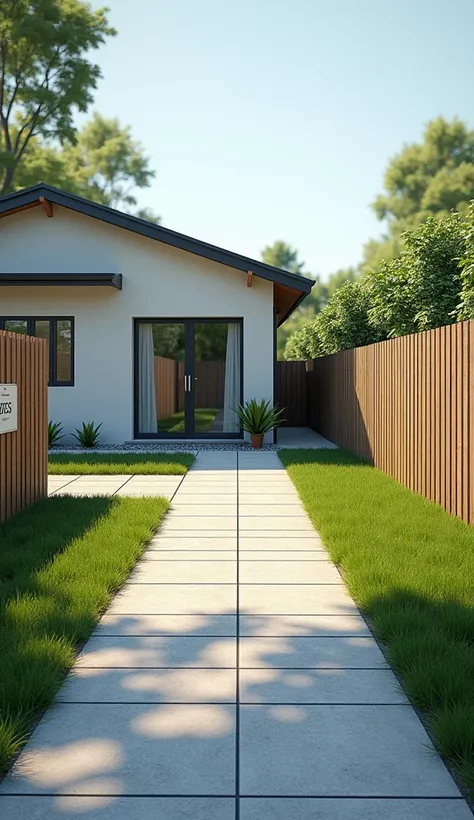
30 539
63 559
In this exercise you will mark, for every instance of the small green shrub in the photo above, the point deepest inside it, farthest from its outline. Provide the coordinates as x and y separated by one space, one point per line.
259 417
88 435
55 432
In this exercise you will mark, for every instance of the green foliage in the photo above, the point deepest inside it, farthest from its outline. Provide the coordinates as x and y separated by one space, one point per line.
119 463
466 306
259 416
104 164
281 255
55 432
45 73
342 324
429 178
88 434
421 289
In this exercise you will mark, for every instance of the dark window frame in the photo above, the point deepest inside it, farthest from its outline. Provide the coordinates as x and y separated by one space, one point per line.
53 335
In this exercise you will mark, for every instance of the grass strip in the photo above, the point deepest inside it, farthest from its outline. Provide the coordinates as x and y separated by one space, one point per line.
410 567
119 463
61 561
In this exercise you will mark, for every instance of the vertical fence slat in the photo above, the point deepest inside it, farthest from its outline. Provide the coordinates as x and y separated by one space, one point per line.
24 452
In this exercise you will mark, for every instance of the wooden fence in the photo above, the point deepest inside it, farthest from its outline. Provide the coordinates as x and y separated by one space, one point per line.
169 386
292 393
24 453
407 406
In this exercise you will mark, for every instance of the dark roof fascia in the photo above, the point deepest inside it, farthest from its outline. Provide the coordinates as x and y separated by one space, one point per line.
111 280
28 196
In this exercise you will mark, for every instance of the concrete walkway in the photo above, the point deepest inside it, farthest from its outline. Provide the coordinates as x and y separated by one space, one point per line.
233 677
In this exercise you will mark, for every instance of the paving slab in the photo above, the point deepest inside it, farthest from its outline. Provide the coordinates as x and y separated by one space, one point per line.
271 509
189 572
278 542
210 625
311 653
270 522
283 556
273 686
208 508
107 685
296 572
162 555
284 808
204 542
325 626
160 652
260 499
296 599
184 498
115 807
179 599
135 749
279 537
196 523
339 750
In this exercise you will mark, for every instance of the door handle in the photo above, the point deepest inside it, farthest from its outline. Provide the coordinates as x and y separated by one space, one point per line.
190 384
187 384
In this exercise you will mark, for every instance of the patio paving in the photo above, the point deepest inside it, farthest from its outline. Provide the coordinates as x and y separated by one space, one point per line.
125 485
233 678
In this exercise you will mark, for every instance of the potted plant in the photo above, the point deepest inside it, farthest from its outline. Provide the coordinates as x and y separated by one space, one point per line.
257 418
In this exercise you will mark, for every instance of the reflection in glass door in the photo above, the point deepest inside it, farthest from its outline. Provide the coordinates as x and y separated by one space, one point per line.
188 378
161 396
216 377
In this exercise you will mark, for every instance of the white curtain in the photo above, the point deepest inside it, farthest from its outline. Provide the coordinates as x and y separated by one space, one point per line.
146 380
232 378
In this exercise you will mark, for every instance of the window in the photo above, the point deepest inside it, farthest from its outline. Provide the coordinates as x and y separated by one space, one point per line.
59 335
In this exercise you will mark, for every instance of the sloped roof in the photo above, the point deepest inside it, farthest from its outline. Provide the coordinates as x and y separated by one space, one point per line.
295 287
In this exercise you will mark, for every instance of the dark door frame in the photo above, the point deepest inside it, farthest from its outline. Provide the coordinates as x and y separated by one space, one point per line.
189 367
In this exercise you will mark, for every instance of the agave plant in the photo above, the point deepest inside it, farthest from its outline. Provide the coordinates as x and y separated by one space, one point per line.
88 435
258 417
55 432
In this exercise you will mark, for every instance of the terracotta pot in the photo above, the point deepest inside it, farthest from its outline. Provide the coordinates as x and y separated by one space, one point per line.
257 440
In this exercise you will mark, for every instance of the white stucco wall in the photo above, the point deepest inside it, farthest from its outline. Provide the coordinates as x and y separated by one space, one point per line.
158 281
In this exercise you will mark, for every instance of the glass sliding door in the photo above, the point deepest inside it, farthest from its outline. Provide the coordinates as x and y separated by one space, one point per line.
160 397
188 378
217 377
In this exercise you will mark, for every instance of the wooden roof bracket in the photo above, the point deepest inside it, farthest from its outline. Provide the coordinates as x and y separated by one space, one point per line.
249 278
47 207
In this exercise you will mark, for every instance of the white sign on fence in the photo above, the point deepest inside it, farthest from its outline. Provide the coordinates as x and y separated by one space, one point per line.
8 408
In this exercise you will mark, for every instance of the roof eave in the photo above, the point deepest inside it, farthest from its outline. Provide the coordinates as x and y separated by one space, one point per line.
18 199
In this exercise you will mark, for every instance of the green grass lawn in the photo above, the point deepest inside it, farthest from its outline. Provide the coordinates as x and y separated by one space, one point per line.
119 463
61 561
203 420
410 567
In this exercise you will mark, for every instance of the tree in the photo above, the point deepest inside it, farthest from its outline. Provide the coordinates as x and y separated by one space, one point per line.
421 289
281 255
342 324
105 164
109 163
44 72
430 178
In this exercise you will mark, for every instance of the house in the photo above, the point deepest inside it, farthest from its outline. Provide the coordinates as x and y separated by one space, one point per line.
153 333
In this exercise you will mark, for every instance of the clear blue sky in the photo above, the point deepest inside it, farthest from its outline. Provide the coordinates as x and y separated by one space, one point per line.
274 119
